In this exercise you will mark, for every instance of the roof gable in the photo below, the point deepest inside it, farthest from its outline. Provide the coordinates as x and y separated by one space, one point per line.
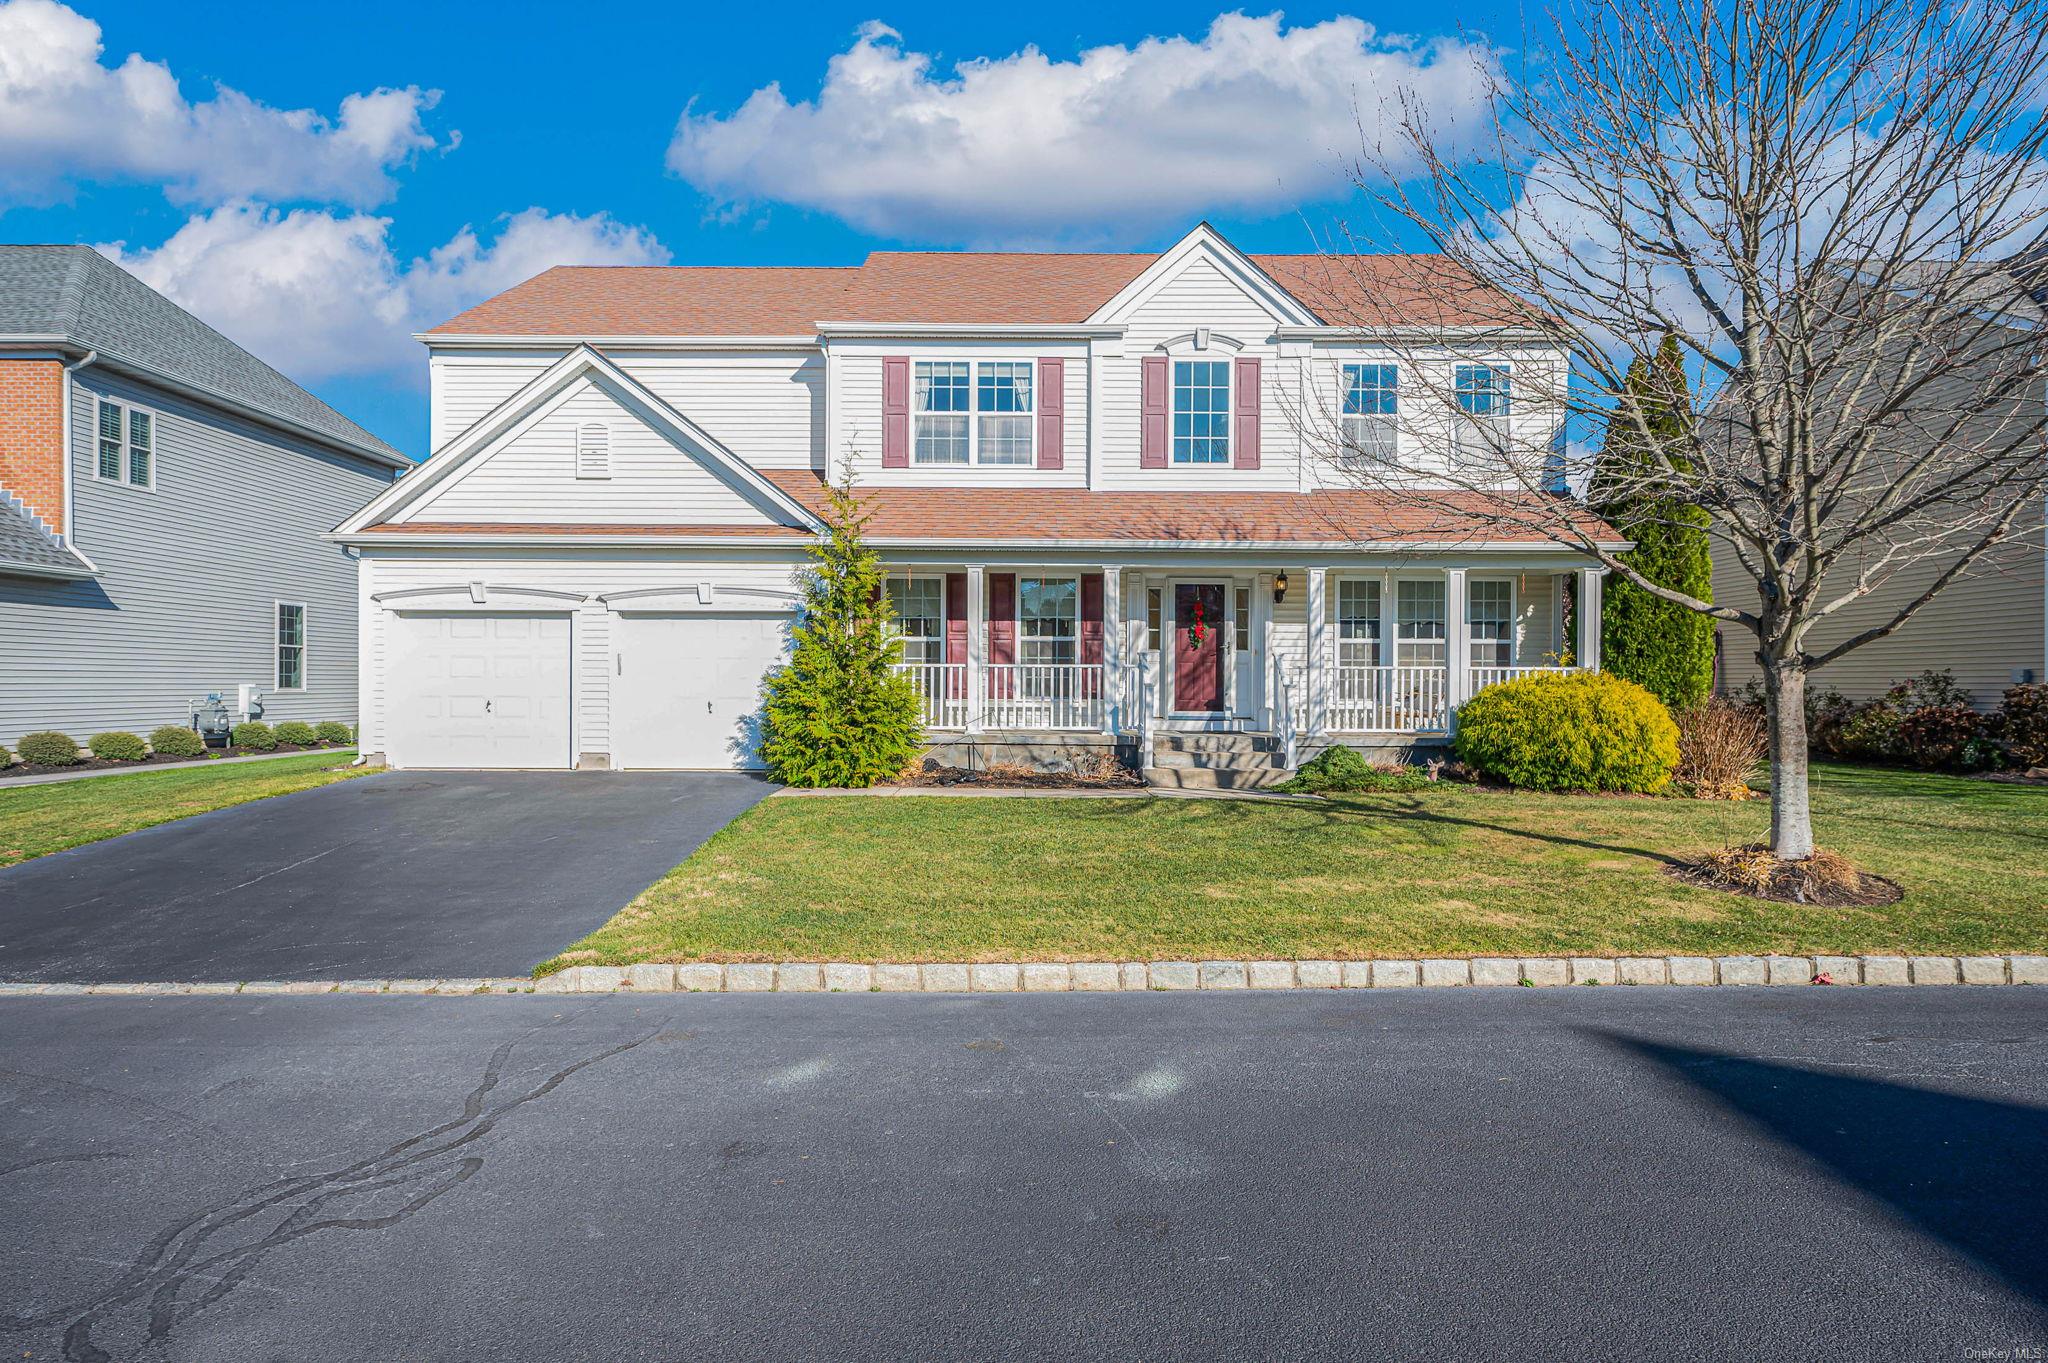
1205 244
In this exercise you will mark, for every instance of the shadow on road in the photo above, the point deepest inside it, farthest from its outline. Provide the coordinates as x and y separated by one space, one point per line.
1971 1172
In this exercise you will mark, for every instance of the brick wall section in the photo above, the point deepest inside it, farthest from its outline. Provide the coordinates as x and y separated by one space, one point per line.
32 436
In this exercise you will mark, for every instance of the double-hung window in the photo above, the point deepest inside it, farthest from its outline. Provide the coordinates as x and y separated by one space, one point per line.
1048 620
1358 622
1484 394
1371 411
1490 615
920 607
1419 638
127 445
973 412
291 647
1201 411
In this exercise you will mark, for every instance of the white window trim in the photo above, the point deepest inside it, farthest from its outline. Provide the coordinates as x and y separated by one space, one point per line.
1502 367
1514 616
974 413
1229 459
305 647
1384 645
1392 606
944 619
125 408
1017 615
1344 419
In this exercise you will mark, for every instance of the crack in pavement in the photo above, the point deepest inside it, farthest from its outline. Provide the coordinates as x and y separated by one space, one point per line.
202 1252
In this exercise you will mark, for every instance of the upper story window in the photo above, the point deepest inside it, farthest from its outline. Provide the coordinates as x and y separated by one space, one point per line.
127 446
1201 411
972 412
1371 410
1490 616
920 607
1483 389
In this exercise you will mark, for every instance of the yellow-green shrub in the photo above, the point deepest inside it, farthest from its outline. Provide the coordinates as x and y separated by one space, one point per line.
1570 731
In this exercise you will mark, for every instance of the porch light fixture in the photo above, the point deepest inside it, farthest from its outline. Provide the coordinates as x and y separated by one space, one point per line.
1280 586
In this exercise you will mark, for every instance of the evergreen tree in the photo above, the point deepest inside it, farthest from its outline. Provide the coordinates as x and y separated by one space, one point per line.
1657 644
838 713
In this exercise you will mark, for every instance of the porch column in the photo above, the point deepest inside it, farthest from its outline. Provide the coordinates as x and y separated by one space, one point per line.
1112 648
1457 638
977 644
1318 652
1589 616
1260 632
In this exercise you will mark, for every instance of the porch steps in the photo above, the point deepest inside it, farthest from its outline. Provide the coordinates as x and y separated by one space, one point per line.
1216 761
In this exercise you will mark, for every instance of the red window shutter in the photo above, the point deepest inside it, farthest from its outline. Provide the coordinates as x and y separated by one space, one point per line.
1052 414
1244 437
896 412
956 617
1002 618
1091 617
1154 398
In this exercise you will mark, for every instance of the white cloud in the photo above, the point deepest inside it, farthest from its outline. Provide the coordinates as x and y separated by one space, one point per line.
320 294
66 117
1119 142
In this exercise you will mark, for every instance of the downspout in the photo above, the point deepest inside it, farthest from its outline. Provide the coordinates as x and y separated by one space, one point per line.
70 457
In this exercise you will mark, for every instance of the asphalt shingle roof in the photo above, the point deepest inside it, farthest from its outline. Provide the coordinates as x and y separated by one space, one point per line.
24 543
77 294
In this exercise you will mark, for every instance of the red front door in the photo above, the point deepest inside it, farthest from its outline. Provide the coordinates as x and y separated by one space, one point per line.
1198 646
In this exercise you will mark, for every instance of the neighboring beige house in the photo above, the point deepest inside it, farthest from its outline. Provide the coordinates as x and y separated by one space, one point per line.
1989 629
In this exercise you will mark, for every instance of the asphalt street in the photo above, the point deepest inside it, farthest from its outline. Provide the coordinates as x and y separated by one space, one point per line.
403 874
1570 1174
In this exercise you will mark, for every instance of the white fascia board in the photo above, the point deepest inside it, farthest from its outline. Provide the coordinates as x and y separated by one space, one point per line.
984 546
1206 240
1342 335
1026 331
433 340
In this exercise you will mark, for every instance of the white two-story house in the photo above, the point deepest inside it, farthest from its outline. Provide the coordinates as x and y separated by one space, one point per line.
1095 478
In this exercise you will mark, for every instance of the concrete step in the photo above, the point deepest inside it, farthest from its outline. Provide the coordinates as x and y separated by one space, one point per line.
1215 742
1219 761
1216 778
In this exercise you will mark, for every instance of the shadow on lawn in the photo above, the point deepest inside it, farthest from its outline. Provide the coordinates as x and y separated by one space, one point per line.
1962 1170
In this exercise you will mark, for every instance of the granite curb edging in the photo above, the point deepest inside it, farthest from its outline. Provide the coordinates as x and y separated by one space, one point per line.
1036 977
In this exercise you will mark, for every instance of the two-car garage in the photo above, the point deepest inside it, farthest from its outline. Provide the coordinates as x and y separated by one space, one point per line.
475 688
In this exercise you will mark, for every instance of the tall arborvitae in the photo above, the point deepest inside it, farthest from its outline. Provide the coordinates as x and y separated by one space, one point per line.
838 713
1655 643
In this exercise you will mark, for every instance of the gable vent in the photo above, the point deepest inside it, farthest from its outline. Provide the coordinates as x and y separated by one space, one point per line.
593 450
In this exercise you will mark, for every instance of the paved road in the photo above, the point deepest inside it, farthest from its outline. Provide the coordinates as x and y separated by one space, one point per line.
401 874
1570 1174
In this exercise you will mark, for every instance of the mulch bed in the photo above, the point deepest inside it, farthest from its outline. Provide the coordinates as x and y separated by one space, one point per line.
20 769
934 774
1827 881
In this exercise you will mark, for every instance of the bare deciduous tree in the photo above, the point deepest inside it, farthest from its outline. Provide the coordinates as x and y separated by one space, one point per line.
1836 206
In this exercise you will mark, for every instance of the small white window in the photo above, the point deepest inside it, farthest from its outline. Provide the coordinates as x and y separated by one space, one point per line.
593 450
1490 614
127 446
1371 412
1241 620
920 607
1419 623
291 646
1358 622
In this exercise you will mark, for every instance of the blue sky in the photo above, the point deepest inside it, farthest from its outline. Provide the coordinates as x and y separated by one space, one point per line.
262 179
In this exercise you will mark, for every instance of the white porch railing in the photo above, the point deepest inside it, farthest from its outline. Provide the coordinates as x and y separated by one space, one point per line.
943 689
1042 696
1487 676
1014 695
1384 700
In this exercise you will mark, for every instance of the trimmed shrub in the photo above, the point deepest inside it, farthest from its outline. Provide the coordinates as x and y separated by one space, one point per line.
255 735
175 740
1570 731
1339 769
116 746
48 748
297 733
2022 724
1937 736
1720 744
329 731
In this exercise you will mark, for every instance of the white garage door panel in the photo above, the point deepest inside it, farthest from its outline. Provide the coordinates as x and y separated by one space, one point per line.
470 689
688 688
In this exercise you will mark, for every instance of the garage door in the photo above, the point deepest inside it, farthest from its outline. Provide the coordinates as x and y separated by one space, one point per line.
688 688
479 690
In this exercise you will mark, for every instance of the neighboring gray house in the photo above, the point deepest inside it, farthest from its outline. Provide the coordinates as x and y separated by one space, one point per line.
162 498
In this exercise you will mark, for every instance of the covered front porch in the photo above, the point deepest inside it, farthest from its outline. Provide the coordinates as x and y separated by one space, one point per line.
1372 652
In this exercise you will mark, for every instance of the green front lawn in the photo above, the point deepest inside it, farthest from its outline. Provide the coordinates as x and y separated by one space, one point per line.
38 820
1452 871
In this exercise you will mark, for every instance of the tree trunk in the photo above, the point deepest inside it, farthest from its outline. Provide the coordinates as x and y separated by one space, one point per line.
1791 809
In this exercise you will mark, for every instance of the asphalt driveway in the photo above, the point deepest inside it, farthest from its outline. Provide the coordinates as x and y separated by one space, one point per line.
402 874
